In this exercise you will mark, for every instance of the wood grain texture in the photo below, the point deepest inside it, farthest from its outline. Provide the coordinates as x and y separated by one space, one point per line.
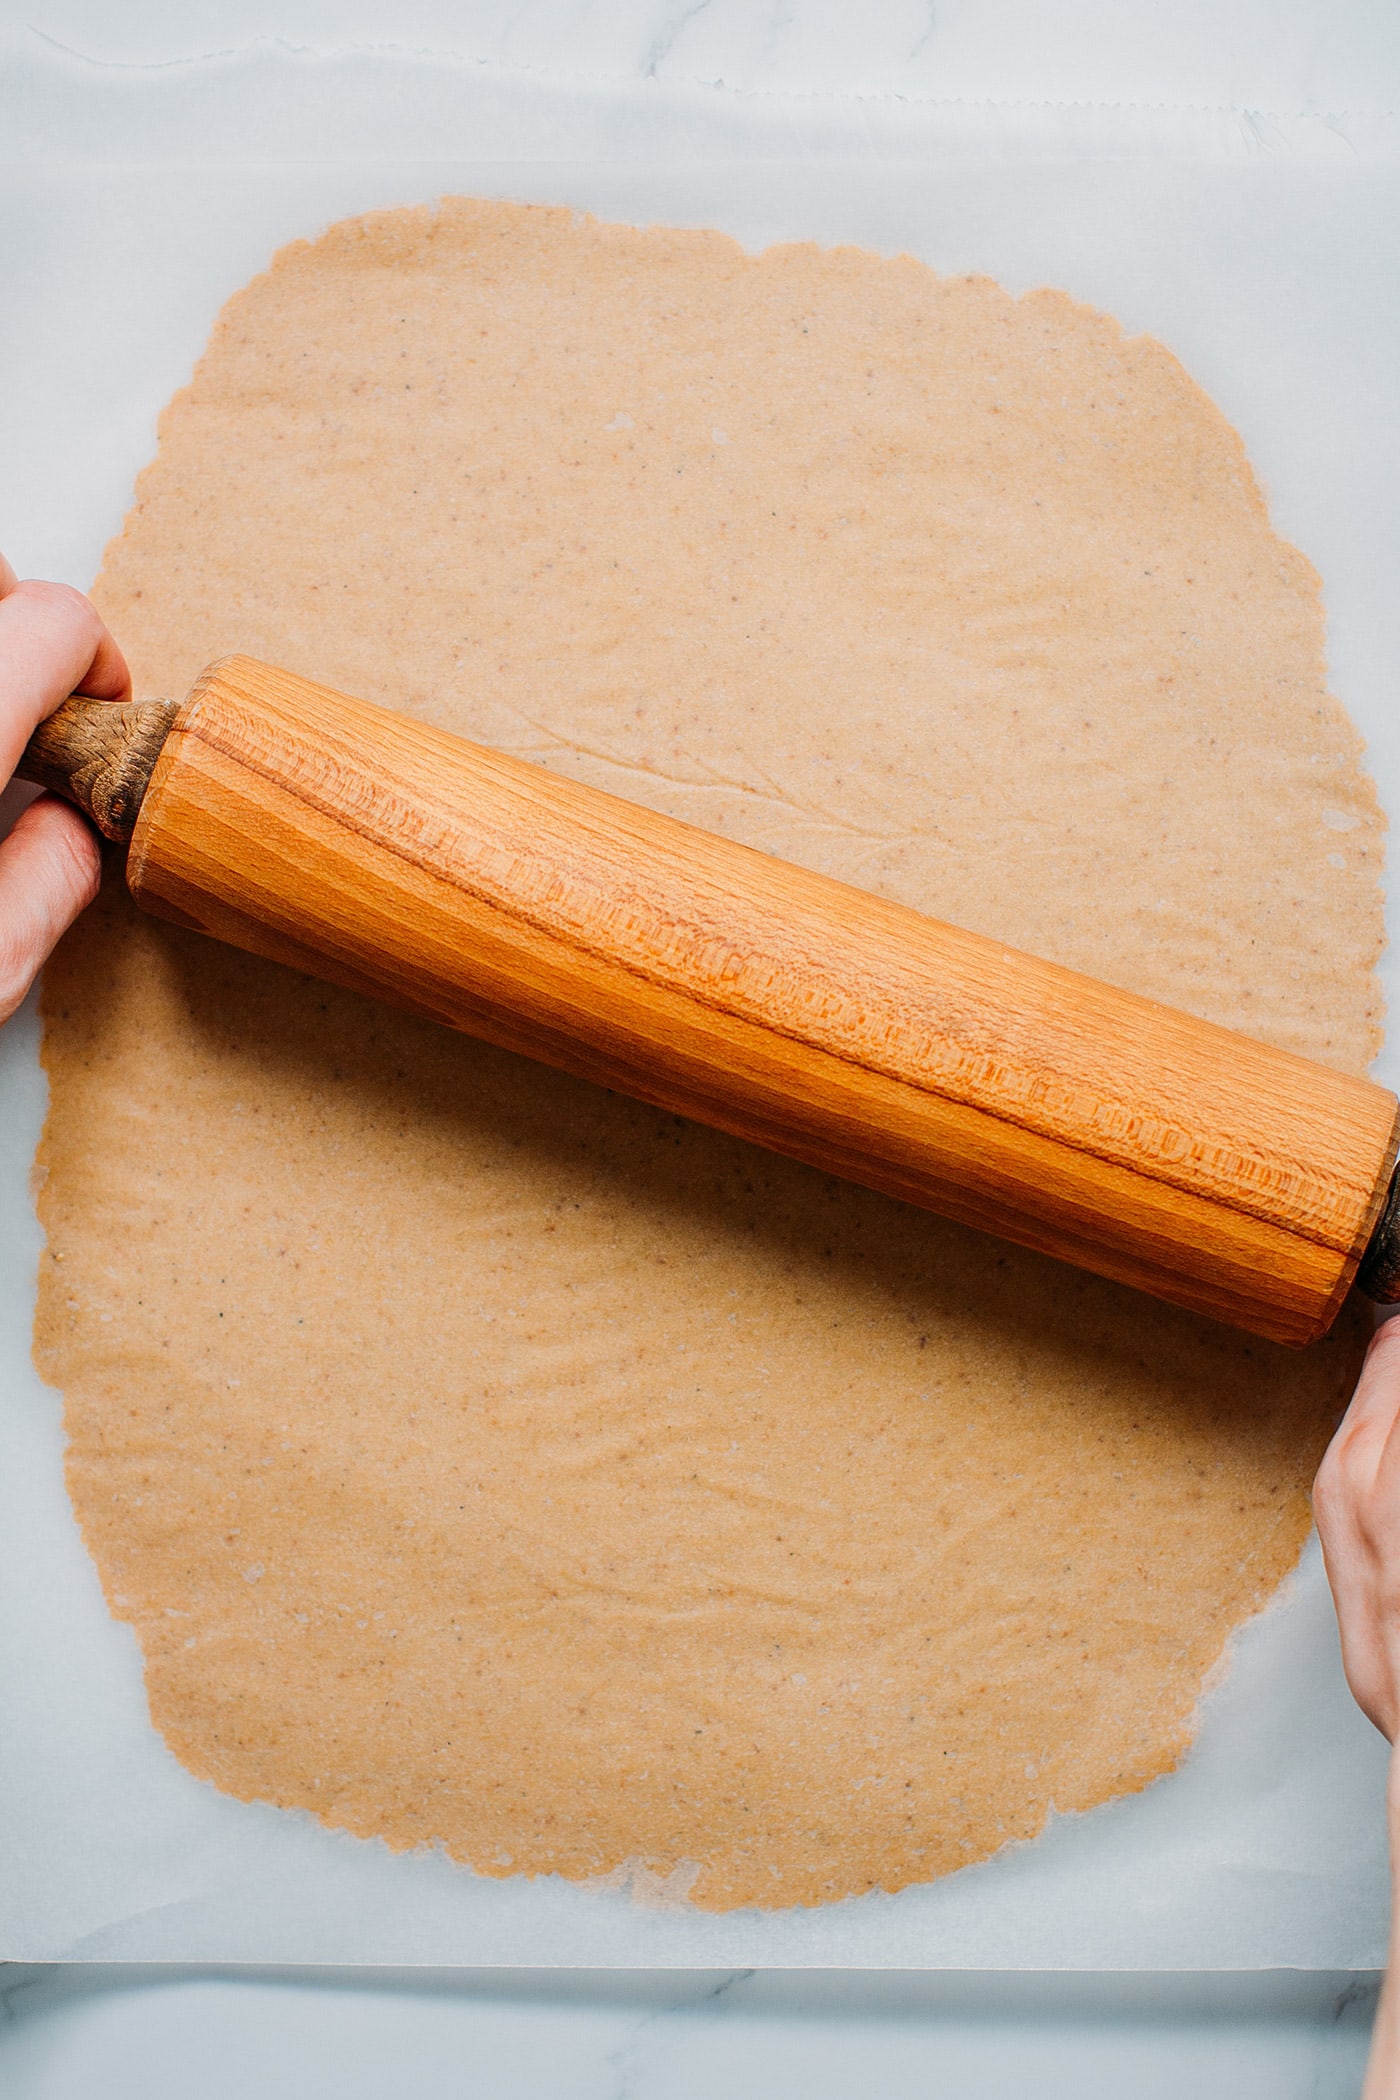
1221 1174
99 754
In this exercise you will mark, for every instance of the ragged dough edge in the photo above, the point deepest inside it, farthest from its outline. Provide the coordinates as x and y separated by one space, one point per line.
629 1871
646 1888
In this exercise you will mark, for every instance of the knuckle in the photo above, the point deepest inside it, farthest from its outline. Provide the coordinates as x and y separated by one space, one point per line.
79 863
1331 1512
1340 1492
1324 1491
1384 1349
65 872
37 591
1338 1461
62 604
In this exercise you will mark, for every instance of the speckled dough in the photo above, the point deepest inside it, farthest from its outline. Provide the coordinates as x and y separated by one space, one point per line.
485 1459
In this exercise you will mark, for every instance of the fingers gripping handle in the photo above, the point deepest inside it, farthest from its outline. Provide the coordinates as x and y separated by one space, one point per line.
100 755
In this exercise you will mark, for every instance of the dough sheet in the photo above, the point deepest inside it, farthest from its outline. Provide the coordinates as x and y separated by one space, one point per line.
490 1462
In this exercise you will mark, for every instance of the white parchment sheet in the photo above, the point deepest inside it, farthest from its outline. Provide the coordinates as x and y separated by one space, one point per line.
1262 251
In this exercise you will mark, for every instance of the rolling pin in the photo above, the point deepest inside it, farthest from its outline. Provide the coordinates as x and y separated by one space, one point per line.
790 1009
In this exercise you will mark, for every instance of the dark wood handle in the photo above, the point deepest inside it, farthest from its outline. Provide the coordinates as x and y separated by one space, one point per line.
1379 1274
100 754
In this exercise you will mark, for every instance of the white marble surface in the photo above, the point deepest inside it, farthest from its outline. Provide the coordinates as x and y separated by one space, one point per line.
1298 81
112 2035
1331 56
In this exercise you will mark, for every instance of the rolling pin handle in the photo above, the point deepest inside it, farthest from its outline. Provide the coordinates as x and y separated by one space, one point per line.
1379 1274
100 754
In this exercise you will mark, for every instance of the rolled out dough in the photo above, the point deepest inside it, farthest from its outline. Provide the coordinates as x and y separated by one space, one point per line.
487 1460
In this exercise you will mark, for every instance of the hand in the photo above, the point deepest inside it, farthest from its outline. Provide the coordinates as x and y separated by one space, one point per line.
1357 1503
1356 1500
52 643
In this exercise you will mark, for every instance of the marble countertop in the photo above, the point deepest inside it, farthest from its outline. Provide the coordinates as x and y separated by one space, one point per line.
531 2035
106 2035
1327 56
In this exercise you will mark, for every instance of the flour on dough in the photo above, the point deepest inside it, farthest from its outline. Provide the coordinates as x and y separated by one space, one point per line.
485 1459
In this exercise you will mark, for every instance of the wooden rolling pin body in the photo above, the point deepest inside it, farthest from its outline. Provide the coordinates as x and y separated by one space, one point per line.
845 1030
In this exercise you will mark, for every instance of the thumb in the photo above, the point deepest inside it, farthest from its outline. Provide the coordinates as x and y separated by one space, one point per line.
50 869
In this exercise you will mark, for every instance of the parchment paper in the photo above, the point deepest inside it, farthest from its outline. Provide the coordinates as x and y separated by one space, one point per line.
1266 1849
